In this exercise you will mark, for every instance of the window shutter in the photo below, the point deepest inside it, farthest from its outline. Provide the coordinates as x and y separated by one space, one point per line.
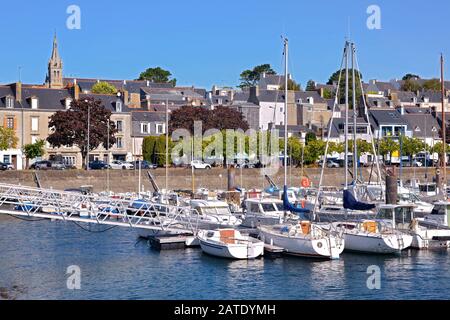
5 122
15 123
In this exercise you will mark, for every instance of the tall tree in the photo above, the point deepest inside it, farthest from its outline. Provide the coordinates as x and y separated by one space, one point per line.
220 118
410 76
70 127
250 78
311 85
8 139
411 85
432 84
34 150
387 146
334 78
292 86
103 87
158 75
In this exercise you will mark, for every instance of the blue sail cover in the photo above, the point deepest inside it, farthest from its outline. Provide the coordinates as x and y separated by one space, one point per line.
289 207
352 204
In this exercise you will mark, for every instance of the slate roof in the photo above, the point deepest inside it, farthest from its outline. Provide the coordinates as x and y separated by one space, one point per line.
422 125
386 117
132 86
108 101
4 92
338 126
49 99
148 116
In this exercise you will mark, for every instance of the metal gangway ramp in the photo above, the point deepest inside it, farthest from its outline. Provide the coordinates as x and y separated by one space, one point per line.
95 209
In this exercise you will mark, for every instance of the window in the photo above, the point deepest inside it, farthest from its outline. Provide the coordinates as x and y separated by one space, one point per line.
119 142
160 128
34 103
34 139
34 124
69 160
145 128
9 102
6 158
10 122
119 125
118 106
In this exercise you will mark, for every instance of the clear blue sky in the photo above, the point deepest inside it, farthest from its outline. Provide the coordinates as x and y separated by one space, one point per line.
210 42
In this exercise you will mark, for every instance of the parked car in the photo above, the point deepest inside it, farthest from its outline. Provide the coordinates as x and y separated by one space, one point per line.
331 163
119 165
3 166
144 164
197 164
98 165
10 166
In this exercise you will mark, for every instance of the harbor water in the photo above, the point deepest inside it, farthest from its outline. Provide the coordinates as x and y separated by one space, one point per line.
116 265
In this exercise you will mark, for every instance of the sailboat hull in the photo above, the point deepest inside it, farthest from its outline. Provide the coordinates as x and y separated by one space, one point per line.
304 246
376 243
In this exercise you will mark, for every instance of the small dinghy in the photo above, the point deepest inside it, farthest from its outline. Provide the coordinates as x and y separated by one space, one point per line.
230 243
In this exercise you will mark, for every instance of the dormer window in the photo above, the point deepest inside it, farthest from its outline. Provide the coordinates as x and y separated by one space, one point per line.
34 103
9 102
68 103
119 106
426 99
417 129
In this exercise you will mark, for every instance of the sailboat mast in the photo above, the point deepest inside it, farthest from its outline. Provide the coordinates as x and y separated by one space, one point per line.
444 133
286 49
346 115
355 150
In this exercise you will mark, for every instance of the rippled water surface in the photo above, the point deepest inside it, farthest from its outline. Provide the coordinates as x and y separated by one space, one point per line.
34 257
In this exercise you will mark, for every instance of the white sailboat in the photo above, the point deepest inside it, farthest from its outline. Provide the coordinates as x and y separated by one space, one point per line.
300 239
230 243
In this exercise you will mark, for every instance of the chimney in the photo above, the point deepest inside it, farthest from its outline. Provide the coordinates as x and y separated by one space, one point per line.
231 95
263 74
17 89
125 96
402 110
148 83
75 90
253 95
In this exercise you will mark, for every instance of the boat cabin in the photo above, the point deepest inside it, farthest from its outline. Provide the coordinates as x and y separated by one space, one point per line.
210 207
428 189
263 206
440 213
398 216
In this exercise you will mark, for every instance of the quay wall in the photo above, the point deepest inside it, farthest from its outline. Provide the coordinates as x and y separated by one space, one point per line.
181 178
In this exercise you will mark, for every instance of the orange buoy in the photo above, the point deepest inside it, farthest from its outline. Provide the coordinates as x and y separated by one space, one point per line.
305 183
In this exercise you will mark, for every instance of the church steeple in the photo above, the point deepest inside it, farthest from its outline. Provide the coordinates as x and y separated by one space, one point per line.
55 68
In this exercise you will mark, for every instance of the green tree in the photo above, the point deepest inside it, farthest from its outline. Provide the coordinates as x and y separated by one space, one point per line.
313 150
148 149
250 78
411 85
334 78
158 75
8 139
432 84
311 85
292 86
412 146
310 136
387 146
409 76
103 88
327 94
34 150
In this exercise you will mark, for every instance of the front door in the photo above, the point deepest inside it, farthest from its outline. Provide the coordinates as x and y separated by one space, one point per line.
14 161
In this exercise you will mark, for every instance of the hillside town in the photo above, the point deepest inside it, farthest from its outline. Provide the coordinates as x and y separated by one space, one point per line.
410 108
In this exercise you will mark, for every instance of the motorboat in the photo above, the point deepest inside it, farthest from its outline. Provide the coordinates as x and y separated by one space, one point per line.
230 243
213 214
265 211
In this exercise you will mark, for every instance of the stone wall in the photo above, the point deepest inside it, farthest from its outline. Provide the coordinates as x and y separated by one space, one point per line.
181 178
